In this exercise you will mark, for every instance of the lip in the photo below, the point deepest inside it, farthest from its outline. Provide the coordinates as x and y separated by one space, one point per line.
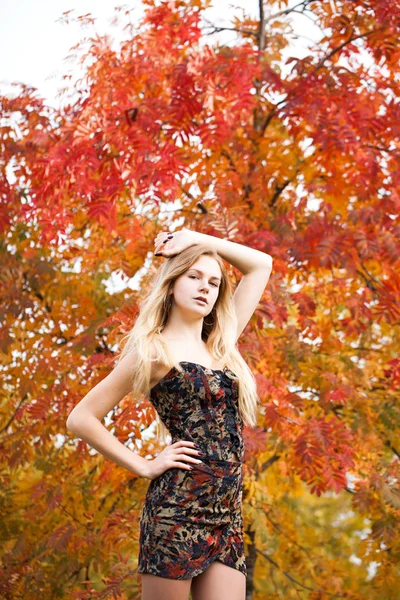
202 300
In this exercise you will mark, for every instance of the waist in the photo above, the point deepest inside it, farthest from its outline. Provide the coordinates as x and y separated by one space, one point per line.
220 460
219 467
217 451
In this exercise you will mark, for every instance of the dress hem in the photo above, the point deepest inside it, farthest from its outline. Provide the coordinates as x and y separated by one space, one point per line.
198 571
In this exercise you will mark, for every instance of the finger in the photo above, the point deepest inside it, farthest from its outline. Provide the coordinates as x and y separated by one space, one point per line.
187 458
186 442
182 466
161 247
163 235
182 455
188 450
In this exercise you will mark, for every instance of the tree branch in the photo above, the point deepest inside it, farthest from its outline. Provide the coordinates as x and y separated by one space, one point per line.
287 11
260 34
279 189
393 449
345 43
291 578
11 419
288 575
318 66
269 462
261 30
218 29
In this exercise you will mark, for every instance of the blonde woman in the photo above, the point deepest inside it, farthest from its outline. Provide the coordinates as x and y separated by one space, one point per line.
182 355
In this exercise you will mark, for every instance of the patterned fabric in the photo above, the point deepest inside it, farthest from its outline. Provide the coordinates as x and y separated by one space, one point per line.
191 518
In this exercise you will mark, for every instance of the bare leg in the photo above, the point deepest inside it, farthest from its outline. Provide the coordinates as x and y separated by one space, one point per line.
219 582
155 588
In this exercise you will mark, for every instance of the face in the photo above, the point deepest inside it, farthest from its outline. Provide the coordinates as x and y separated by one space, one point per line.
201 279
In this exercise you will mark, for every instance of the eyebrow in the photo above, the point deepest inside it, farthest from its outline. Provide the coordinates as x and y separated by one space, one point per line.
201 273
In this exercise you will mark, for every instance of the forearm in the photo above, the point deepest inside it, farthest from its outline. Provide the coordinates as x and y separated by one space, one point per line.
92 431
241 257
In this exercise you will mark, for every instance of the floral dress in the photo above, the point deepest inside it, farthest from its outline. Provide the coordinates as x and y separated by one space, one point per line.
192 517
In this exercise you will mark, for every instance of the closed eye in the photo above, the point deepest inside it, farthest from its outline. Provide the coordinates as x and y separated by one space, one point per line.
212 283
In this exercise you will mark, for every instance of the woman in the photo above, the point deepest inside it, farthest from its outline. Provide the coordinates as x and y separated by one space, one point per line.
182 355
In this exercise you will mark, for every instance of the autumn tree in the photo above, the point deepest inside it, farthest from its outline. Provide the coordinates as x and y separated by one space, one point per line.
295 156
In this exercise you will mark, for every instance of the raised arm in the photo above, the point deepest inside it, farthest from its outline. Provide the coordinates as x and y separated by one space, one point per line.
255 266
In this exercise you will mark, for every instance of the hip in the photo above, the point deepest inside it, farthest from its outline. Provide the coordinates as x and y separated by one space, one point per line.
214 485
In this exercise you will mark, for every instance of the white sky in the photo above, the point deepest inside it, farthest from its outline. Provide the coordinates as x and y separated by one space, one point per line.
34 45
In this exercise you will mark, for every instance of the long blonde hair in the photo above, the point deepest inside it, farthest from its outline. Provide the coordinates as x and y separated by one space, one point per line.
219 333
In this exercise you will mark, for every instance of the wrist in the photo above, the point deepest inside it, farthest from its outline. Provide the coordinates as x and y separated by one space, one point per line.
147 469
198 238
144 469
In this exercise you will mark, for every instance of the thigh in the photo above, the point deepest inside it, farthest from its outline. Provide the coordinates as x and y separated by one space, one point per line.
219 582
155 587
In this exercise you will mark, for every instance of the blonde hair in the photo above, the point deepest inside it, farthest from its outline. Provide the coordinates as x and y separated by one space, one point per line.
219 333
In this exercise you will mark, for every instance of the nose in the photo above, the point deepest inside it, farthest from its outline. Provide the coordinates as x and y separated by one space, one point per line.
203 292
205 287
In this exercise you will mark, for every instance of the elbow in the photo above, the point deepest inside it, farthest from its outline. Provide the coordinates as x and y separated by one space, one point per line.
269 265
264 261
69 424
73 422
266 264
77 420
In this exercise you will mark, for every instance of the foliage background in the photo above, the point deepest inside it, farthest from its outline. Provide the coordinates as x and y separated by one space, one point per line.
296 157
